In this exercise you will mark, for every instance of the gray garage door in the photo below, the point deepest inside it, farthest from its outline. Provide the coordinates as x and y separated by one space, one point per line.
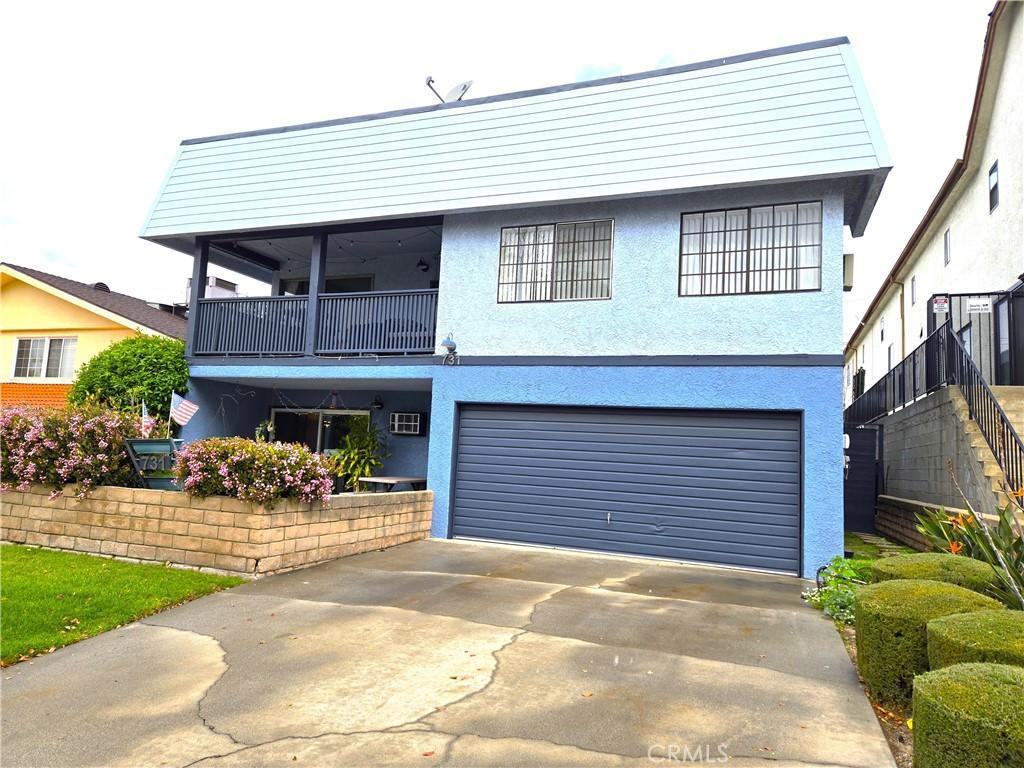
712 486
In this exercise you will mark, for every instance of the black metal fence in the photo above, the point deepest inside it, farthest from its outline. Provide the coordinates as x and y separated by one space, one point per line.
941 360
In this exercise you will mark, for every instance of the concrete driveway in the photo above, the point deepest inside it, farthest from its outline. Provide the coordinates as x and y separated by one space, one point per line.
456 653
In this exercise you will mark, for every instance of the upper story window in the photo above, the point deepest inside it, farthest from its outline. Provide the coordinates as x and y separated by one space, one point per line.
768 249
881 333
49 358
993 186
913 290
947 247
556 262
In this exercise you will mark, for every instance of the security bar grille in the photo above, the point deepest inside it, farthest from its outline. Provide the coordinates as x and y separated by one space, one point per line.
768 249
556 262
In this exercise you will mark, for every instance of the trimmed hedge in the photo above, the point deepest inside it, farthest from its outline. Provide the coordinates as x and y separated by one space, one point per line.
993 636
969 716
936 566
891 620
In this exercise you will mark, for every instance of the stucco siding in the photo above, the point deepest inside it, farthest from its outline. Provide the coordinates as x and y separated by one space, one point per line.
815 392
227 409
788 114
987 248
645 315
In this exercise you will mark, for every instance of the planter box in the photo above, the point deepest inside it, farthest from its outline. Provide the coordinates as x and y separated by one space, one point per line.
218 533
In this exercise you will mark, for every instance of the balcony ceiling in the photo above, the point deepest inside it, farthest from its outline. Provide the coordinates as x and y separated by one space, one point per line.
346 252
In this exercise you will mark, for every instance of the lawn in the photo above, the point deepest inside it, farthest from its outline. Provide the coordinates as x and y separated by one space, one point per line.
50 599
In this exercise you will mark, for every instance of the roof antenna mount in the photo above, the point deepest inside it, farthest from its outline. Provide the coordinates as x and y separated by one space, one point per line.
455 94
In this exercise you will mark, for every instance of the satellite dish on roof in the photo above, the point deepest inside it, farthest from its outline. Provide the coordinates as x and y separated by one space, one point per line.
456 93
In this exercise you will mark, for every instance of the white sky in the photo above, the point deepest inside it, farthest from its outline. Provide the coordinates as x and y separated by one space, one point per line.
98 95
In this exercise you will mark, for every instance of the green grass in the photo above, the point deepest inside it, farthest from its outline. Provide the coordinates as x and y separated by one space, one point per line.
51 599
862 550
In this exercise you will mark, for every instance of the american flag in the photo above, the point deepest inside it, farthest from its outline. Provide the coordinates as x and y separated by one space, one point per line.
148 422
182 410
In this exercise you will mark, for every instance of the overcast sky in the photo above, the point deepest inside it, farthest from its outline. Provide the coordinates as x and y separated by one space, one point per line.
97 95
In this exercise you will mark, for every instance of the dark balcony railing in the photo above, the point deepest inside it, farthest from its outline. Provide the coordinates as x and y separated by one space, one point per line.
943 360
381 322
384 322
274 325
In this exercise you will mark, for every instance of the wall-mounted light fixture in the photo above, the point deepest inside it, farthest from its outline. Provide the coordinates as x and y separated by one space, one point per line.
377 403
422 266
450 346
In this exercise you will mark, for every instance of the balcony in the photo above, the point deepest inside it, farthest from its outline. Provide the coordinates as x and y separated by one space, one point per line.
323 292
366 323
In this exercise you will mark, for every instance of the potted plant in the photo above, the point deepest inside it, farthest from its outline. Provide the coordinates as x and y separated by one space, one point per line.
361 453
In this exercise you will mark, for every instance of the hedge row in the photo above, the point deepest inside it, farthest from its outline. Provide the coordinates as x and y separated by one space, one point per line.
931 611
892 619
969 716
936 566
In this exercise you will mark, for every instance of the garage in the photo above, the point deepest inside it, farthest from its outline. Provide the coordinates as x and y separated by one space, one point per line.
719 487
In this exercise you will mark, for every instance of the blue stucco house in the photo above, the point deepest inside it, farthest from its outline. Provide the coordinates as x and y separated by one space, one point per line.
642 276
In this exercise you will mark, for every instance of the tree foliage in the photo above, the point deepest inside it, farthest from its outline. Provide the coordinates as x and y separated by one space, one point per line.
133 370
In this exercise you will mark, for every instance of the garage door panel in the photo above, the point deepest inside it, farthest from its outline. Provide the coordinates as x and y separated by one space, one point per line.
726 457
720 487
571 509
613 443
775 560
629 522
626 493
646 473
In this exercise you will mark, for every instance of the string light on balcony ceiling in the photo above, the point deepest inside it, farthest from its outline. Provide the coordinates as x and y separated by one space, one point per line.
399 242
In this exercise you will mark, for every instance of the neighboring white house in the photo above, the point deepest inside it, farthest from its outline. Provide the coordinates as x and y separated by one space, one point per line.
971 239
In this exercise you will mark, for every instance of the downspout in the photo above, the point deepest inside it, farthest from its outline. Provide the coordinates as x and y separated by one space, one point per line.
903 325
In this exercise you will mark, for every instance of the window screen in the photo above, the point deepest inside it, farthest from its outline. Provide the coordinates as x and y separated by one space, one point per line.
751 250
556 262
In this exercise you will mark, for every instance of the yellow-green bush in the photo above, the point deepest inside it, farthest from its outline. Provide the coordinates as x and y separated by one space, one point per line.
969 716
937 566
891 620
994 636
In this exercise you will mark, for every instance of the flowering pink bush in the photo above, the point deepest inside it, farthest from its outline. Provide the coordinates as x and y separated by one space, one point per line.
81 444
253 471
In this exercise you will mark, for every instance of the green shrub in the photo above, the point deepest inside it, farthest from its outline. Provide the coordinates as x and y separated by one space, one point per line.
937 566
253 470
969 716
133 370
1001 545
81 445
361 453
839 580
891 619
995 636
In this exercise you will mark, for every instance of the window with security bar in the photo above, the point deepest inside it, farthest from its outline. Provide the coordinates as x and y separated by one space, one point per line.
556 262
765 249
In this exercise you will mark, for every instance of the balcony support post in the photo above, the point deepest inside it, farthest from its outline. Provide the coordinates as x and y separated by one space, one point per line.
200 262
317 266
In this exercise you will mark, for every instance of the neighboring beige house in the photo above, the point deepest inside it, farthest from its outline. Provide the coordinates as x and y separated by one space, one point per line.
971 239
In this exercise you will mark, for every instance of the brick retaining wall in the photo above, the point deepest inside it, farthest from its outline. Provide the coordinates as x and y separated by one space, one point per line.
221 533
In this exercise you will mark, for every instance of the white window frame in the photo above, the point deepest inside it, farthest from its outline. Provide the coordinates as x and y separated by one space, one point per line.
913 290
320 419
947 247
993 186
42 377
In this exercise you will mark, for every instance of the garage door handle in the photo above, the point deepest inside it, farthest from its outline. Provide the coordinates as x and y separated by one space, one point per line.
609 518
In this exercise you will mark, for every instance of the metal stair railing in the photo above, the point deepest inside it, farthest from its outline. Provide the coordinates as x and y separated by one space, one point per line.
939 361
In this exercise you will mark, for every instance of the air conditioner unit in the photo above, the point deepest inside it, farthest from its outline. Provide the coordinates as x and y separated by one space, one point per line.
406 423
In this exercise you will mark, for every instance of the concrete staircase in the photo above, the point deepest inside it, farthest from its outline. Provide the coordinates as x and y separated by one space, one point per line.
1011 400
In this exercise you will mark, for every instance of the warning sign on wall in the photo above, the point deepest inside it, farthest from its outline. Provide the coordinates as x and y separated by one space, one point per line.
940 305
